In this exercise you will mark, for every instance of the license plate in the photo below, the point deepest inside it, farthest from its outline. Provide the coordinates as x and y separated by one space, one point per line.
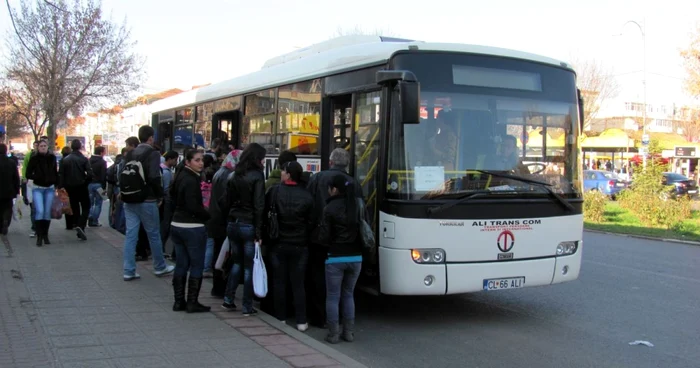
692 191
505 283
620 184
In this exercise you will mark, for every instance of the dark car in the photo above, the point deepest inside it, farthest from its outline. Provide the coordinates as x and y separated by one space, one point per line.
682 185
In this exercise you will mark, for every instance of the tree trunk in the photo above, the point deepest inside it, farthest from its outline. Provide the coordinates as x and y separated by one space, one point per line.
51 133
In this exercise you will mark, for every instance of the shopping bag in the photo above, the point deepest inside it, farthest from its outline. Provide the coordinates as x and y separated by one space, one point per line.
56 210
16 210
30 191
62 197
223 254
259 274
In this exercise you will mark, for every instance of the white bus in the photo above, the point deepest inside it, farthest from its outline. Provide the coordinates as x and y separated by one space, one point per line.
468 156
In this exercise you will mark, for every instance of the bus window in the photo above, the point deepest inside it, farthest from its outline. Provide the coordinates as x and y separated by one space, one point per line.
299 113
259 119
203 126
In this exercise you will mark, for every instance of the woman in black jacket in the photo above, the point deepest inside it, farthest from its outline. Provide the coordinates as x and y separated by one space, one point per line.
245 204
188 233
290 254
340 231
42 169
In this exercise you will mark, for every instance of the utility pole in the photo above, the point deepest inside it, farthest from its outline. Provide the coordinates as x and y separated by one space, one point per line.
642 29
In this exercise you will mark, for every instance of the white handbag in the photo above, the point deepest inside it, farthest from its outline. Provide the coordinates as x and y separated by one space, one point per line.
259 274
223 254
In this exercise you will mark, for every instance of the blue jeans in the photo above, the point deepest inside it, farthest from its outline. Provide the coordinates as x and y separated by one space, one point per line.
32 213
95 203
145 213
43 199
189 244
208 255
340 286
242 240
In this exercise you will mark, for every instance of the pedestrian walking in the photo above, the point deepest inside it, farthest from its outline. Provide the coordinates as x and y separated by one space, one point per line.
42 171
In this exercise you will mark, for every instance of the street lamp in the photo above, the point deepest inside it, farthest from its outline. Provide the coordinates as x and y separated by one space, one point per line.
644 76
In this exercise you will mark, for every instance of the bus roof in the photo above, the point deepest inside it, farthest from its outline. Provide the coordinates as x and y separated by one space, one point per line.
328 58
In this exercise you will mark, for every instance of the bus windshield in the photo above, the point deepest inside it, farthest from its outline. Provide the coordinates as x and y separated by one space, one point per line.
464 136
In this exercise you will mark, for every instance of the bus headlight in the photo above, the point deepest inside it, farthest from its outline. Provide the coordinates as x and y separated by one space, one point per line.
566 248
428 255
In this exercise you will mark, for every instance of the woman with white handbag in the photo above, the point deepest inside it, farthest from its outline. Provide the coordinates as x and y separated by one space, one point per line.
245 204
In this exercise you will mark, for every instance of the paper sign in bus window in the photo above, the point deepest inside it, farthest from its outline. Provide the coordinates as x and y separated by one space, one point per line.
429 178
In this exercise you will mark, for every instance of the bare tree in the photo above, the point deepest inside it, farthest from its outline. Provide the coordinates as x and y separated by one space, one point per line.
358 30
597 85
26 110
14 123
688 120
64 58
691 60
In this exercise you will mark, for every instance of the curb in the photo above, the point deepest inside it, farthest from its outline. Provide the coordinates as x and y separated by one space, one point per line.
310 341
267 319
687 242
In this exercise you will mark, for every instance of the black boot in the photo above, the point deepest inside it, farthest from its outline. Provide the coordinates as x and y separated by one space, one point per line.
333 336
193 306
39 226
47 225
179 292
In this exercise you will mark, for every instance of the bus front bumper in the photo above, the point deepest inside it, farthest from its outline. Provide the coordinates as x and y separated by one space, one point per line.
400 275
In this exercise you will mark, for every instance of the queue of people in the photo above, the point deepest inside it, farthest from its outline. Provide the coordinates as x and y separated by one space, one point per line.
203 201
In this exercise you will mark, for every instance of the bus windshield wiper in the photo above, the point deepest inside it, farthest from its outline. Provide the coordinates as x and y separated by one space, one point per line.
546 186
461 199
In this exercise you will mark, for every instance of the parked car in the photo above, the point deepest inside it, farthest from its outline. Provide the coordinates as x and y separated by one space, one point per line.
606 182
682 185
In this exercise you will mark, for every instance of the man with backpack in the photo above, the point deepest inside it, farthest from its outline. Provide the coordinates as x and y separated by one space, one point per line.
141 190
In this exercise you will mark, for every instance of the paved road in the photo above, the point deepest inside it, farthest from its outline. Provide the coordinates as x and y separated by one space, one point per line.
629 290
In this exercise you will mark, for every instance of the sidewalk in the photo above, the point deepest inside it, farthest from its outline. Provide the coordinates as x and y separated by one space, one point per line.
66 305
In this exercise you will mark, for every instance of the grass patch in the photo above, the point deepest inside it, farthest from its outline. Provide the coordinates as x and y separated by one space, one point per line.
621 221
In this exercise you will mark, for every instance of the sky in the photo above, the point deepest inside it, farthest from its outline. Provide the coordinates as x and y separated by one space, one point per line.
189 43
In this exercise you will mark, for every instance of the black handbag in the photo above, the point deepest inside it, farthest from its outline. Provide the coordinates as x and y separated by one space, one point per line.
273 227
366 233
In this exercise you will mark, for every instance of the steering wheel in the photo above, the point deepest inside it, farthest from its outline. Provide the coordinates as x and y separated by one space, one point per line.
544 167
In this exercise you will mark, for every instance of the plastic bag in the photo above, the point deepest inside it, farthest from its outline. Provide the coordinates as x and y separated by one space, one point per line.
16 210
62 196
57 210
259 274
223 254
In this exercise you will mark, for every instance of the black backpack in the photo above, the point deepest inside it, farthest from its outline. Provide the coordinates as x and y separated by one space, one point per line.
112 174
132 179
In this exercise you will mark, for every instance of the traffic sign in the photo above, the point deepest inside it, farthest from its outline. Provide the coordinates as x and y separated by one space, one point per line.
645 139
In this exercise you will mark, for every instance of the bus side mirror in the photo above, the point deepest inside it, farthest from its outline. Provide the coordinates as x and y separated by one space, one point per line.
409 102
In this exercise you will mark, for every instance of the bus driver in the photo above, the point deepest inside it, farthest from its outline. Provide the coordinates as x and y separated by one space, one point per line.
508 158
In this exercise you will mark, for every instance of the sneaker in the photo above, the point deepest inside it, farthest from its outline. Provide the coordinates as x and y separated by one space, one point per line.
303 327
228 306
32 234
135 276
95 225
168 269
81 233
251 312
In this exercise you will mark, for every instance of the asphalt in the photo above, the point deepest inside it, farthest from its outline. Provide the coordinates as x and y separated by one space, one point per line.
629 289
